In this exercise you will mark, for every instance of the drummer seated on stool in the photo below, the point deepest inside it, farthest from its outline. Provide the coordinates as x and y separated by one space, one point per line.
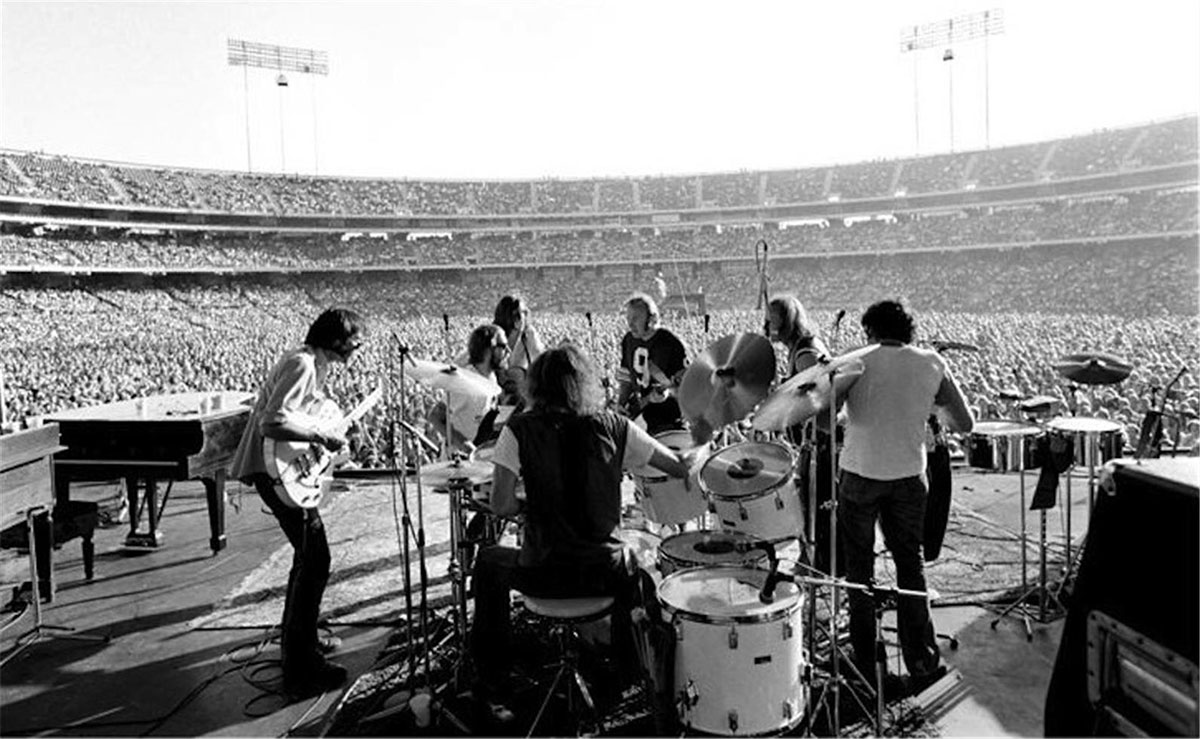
570 454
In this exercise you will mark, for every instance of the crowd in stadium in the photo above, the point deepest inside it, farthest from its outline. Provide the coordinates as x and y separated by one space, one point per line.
97 340
37 176
1096 217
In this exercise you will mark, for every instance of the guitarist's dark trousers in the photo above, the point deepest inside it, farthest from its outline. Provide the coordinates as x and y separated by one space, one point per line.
306 581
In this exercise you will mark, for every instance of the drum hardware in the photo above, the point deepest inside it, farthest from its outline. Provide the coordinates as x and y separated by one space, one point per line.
879 598
810 391
1006 446
1085 434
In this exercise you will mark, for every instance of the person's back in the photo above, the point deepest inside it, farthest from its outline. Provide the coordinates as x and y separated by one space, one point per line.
887 409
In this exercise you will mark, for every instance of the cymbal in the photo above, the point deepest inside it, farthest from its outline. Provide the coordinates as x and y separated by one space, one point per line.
725 381
439 475
1093 368
1039 403
451 378
807 393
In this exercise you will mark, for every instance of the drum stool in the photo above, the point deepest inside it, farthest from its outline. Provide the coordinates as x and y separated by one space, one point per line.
563 615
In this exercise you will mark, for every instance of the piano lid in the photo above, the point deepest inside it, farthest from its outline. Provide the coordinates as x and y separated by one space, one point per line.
158 408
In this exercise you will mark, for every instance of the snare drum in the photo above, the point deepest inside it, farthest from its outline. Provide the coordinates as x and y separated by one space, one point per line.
707 549
1003 446
738 661
1109 440
752 491
666 500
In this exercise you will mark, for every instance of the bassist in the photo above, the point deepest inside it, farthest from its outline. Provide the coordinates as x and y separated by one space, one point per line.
295 385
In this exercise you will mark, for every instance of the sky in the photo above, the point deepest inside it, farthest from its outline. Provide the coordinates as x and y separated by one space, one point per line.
507 89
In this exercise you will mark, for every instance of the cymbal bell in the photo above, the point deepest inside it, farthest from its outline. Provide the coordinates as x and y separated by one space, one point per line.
451 378
1093 368
439 475
725 381
807 393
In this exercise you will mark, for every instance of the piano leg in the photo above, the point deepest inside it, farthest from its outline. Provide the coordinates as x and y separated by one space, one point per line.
152 539
214 489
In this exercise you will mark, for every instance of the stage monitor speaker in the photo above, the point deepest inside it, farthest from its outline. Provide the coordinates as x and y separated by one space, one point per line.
1140 572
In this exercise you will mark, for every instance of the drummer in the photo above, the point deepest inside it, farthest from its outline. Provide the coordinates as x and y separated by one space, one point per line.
570 453
473 414
788 324
653 361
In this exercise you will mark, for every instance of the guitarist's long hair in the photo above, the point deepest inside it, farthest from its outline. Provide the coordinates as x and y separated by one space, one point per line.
333 326
564 379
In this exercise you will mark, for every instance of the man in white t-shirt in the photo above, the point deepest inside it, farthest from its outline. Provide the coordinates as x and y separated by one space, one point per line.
883 479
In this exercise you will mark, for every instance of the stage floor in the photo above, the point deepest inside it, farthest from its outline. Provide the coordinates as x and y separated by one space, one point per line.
163 673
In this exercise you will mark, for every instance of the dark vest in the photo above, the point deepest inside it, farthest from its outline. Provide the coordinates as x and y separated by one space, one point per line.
571 466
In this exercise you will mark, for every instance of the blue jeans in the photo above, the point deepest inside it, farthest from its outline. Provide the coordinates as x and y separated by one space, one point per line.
899 506
306 580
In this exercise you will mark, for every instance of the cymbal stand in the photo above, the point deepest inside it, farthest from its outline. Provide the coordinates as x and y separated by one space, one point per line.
1019 604
831 691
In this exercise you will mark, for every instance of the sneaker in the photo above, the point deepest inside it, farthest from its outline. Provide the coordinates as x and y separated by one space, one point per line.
321 678
918 683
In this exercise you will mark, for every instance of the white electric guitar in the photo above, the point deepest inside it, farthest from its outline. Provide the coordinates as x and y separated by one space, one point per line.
302 469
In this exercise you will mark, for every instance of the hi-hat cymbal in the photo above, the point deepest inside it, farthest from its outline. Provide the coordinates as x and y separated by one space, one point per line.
439 475
1090 368
451 378
725 381
807 393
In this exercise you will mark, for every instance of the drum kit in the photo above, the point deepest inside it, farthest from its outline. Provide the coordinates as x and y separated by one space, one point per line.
1010 445
744 655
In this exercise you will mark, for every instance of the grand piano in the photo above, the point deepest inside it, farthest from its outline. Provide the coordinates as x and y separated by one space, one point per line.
146 441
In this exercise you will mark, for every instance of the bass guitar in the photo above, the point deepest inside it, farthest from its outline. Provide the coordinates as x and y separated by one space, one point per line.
302 469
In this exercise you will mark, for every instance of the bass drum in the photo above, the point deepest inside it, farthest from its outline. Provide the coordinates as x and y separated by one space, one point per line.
751 489
739 662
707 549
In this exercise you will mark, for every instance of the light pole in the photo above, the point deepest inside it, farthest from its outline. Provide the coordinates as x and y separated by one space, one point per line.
281 59
945 34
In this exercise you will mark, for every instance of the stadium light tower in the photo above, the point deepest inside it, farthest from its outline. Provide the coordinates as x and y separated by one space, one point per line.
944 34
246 54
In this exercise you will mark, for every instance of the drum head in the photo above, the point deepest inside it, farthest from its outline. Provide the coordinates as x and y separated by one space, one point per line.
724 594
712 548
1005 427
748 468
1081 424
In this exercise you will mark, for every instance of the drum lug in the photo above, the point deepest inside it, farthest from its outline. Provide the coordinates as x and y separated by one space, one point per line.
733 638
787 630
779 504
787 710
742 512
733 721
688 697
678 630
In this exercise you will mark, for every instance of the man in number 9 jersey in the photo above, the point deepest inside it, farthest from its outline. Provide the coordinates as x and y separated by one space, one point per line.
653 361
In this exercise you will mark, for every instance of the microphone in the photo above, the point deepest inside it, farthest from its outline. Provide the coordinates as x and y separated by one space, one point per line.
706 319
838 320
446 321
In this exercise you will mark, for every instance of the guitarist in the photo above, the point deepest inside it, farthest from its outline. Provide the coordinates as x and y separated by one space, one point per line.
653 361
295 385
